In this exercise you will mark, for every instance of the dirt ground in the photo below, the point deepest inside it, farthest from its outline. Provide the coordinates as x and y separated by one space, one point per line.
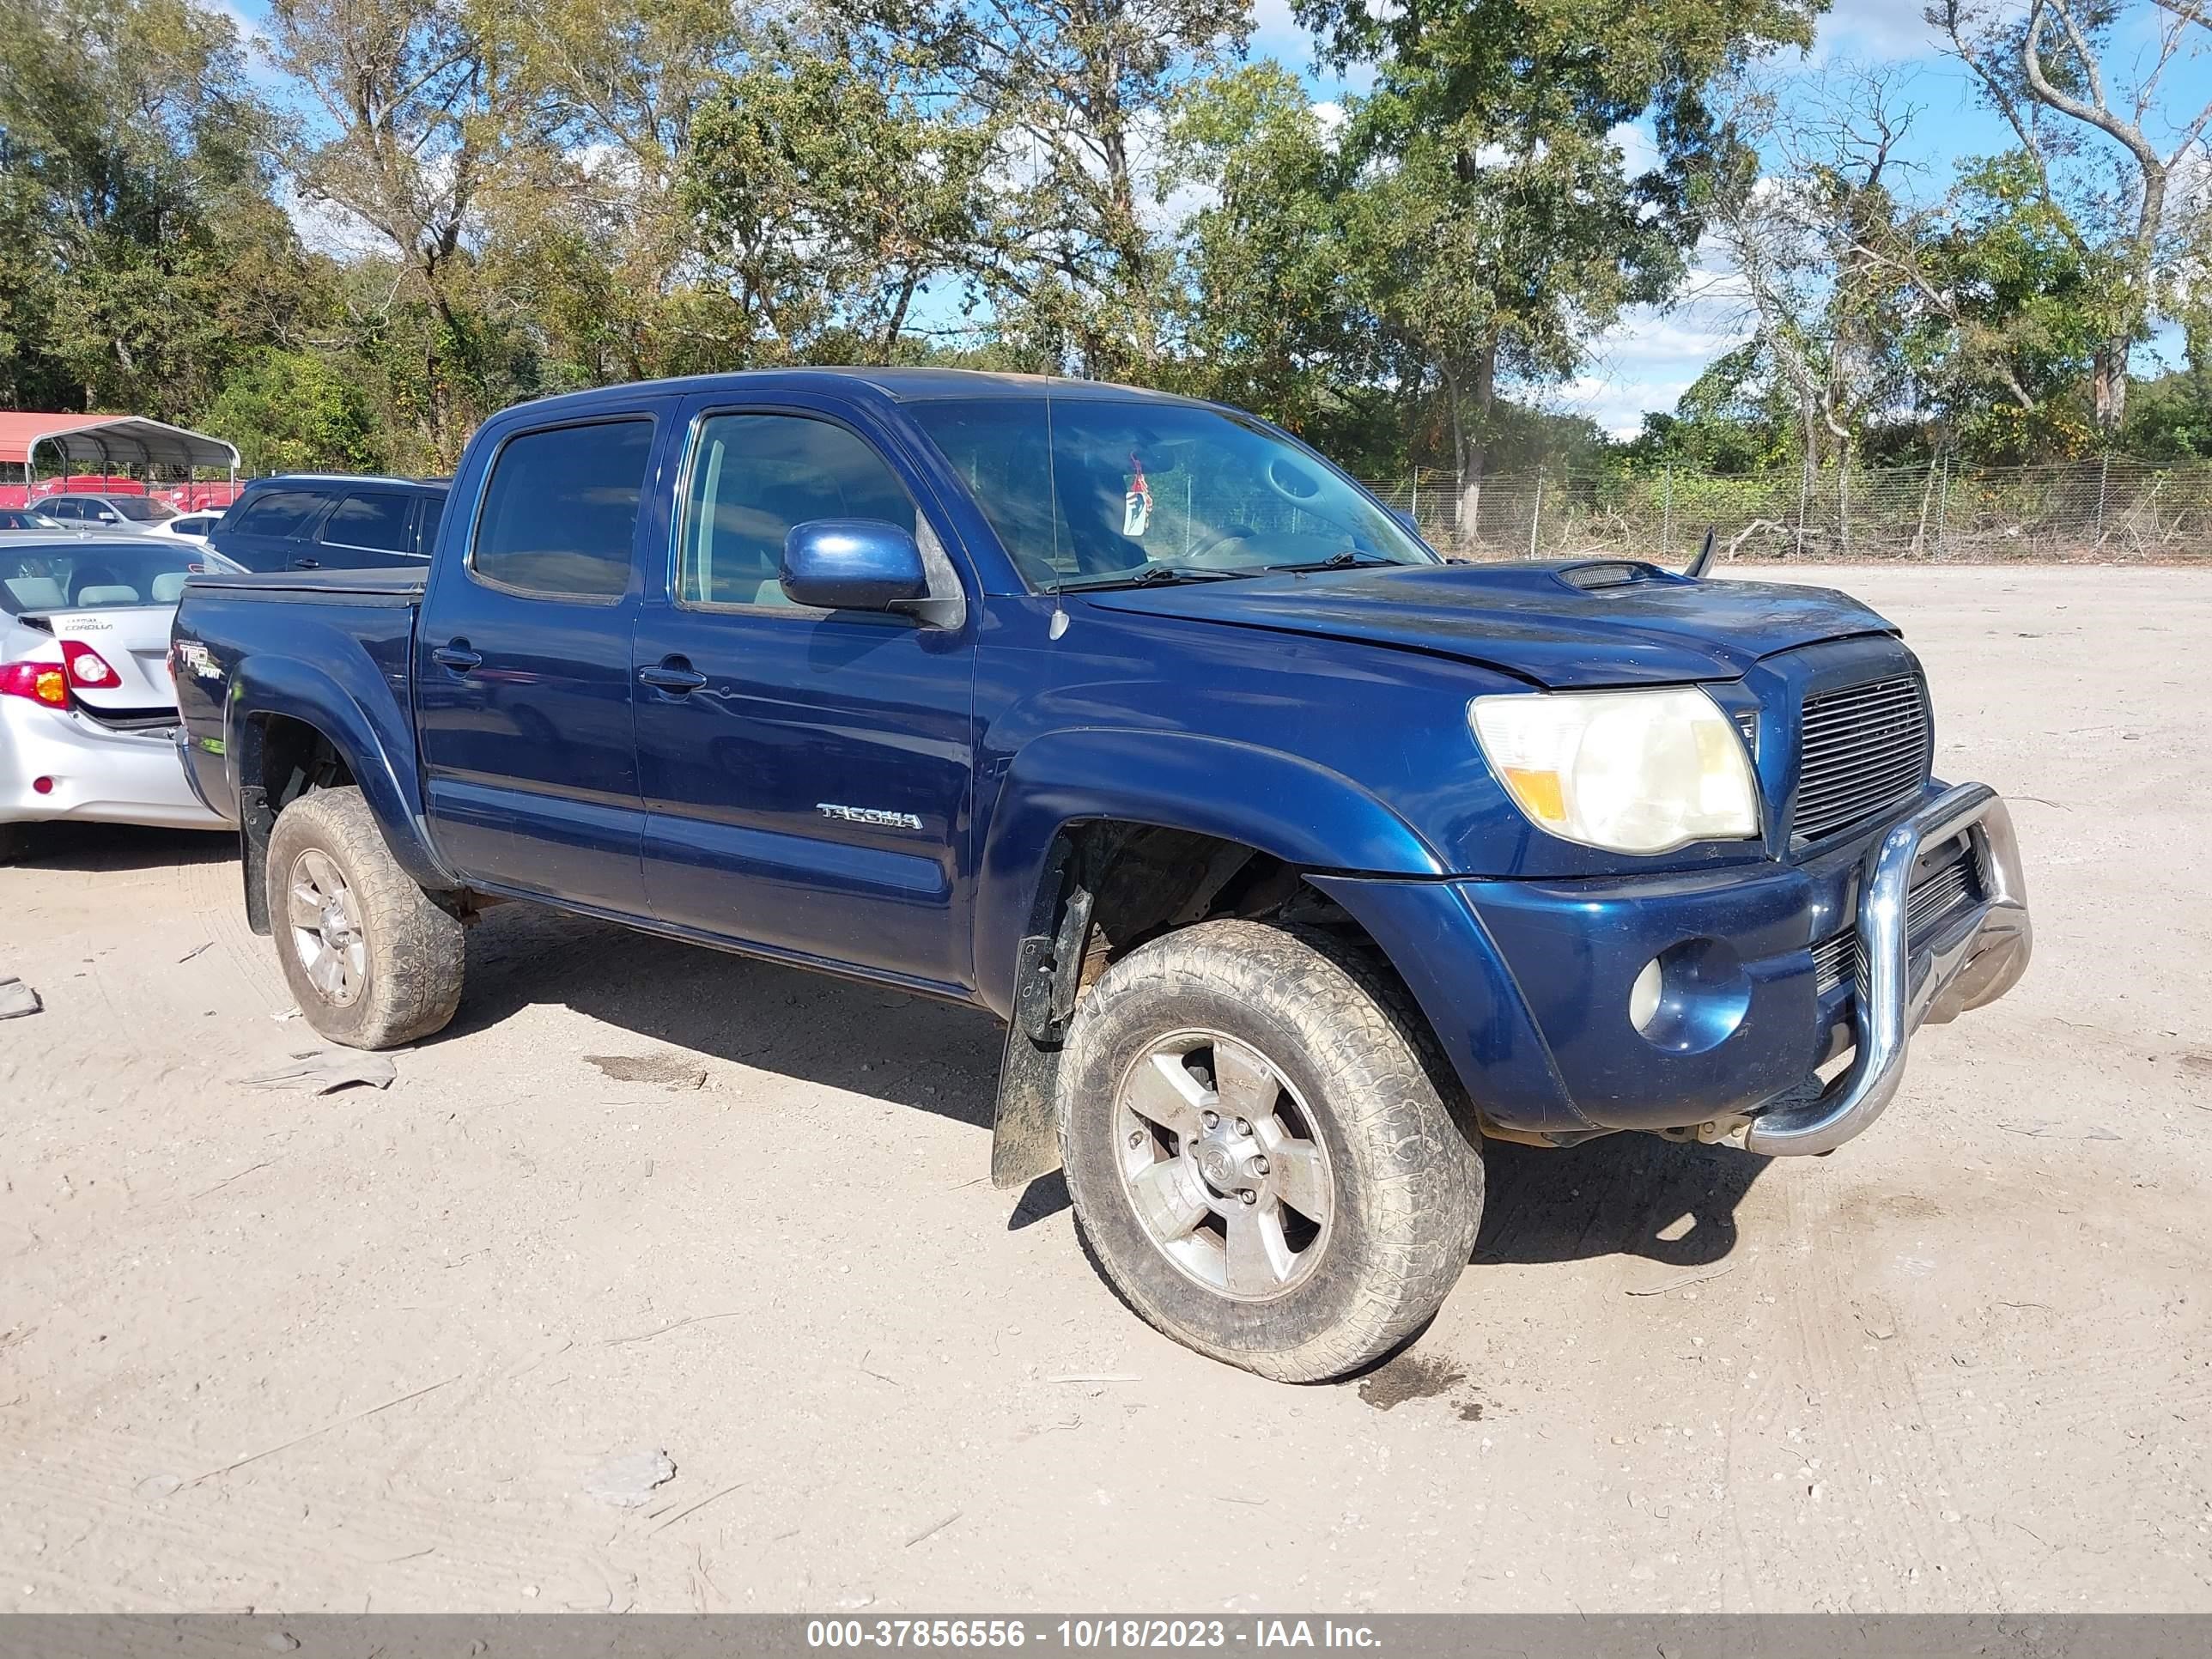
258 1350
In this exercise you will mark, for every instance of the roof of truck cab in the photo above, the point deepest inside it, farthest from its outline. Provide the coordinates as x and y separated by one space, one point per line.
898 385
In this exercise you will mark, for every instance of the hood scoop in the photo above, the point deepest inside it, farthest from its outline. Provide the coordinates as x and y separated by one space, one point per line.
1576 624
1597 575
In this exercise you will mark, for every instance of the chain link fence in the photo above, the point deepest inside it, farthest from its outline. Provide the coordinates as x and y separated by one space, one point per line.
2102 507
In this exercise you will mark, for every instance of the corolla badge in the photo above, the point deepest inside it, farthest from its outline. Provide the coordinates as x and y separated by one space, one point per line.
875 815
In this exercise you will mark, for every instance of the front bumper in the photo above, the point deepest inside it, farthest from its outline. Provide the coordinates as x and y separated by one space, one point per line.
95 774
1526 983
1972 956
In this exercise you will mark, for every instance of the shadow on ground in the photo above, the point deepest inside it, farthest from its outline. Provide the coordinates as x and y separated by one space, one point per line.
1627 1194
98 846
807 1026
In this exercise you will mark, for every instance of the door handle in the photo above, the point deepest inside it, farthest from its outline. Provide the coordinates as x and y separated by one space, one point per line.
675 676
306 564
456 657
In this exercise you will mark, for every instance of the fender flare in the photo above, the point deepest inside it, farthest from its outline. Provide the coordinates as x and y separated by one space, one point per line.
295 689
1279 803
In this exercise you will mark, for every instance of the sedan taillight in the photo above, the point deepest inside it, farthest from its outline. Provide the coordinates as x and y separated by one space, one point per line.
45 683
88 669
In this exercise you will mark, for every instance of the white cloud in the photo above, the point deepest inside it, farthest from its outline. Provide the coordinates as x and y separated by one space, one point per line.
250 35
1876 28
1651 356
1639 150
327 228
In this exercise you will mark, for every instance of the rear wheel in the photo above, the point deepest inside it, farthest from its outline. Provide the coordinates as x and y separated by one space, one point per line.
1259 1149
371 960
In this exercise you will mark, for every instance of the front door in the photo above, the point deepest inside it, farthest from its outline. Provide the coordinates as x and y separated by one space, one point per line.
522 670
805 773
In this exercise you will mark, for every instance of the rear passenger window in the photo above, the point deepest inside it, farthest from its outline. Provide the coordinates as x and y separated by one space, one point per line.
560 514
373 519
279 512
753 477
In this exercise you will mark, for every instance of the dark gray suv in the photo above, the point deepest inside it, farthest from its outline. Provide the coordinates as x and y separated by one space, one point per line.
329 521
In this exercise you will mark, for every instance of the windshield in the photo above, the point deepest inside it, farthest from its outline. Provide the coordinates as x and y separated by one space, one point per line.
139 510
95 575
21 518
1085 491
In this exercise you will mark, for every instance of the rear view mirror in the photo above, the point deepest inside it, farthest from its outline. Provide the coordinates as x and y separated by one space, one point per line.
853 564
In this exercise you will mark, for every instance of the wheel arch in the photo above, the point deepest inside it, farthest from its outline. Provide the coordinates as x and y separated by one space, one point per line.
293 727
1106 886
1282 805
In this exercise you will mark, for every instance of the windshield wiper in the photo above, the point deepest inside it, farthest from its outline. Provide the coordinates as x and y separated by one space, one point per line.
1156 575
1347 560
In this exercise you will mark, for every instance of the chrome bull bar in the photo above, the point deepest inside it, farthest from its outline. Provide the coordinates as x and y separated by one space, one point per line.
1966 959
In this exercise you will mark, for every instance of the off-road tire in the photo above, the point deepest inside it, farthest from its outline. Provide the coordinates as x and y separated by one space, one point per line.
1407 1176
416 951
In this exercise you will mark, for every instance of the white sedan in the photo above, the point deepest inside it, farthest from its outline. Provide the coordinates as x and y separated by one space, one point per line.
191 526
87 710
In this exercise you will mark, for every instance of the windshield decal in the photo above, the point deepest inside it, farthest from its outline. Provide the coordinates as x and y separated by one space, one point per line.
1137 506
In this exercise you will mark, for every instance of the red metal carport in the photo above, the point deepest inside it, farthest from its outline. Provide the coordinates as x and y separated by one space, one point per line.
28 439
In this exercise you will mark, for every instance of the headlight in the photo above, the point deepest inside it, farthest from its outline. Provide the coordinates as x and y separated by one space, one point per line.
1630 771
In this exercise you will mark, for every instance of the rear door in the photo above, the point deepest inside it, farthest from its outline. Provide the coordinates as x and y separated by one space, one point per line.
805 773
365 528
269 529
522 670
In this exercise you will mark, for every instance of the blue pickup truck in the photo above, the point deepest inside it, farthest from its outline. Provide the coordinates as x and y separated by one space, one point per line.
1296 861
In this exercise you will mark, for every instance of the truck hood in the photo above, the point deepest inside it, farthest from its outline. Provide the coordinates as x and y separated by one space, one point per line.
1564 626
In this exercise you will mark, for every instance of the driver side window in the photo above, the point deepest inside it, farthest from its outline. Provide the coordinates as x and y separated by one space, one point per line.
752 478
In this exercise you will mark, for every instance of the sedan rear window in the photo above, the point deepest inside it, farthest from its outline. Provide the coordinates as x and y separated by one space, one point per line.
94 578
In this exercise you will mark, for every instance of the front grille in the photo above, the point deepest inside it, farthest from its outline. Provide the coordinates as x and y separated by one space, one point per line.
1865 748
1938 894
1834 958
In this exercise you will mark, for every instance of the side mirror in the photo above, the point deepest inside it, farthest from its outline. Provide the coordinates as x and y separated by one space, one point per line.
1406 520
853 564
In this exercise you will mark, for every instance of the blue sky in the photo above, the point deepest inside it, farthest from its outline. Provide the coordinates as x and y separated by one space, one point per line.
1651 357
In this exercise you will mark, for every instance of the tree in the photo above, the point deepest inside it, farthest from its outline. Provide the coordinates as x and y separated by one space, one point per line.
827 201
1823 244
1495 224
423 113
1075 96
141 252
2068 73
297 411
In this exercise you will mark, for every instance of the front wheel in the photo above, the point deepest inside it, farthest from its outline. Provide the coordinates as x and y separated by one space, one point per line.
1259 1149
371 962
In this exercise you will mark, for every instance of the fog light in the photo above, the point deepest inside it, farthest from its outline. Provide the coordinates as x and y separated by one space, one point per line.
1644 996
1691 997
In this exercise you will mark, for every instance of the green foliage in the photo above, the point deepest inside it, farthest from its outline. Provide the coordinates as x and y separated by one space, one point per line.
596 191
296 411
140 252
